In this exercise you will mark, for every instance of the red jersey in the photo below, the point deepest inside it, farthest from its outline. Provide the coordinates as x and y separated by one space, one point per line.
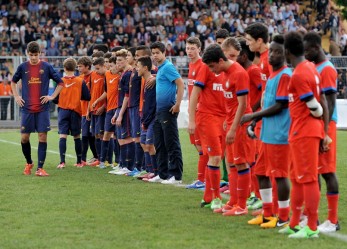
84 103
194 70
255 81
328 76
112 81
211 98
5 89
305 82
236 83
70 95
265 67
97 89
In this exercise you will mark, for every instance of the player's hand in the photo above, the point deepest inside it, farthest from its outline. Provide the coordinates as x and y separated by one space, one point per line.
119 120
45 99
143 127
191 127
150 84
230 136
250 131
94 104
88 116
246 118
100 110
175 109
262 100
325 144
19 100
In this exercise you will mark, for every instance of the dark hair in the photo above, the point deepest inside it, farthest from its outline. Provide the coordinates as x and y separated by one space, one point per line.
158 45
85 61
99 61
33 47
213 53
258 30
101 47
98 54
132 51
294 43
222 33
70 64
231 42
117 48
108 55
146 49
245 49
278 39
194 41
146 62
113 59
313 38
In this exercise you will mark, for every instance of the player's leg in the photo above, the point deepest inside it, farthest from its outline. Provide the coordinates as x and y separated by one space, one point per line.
64 125
108 132
85 140
42 126
27 127
135 123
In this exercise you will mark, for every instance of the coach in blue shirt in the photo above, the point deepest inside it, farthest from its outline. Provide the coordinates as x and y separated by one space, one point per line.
166 139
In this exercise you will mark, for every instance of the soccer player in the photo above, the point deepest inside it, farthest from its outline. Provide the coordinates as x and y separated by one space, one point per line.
239 145
193 49
327 160
305 134
70 111
208 91
84 65
35 75
147 109
166 139
274 133
221 35
111 95
107 57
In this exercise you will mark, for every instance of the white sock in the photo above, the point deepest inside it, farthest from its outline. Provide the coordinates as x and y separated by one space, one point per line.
266 195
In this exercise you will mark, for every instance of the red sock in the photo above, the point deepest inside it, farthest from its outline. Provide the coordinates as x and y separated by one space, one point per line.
254 183
283 213
202 164
296 202
214 174
312 196
208 192
232 178
274 197
243 181
267 209
333 200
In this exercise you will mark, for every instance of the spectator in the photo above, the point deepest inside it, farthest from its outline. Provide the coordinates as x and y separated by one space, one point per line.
93 8
234 7
334 24
5 91
108 7
334 49
53 50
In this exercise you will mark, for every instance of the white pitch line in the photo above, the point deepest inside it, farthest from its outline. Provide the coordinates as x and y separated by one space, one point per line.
337 235
50 151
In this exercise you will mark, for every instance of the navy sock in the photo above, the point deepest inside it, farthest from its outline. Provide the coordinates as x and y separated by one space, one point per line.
41 154
148 162
139 156
110 151
98 147
104 150
85 144
62 149
26 149
130 158
116 150
154 163
92 146
122 155
78 149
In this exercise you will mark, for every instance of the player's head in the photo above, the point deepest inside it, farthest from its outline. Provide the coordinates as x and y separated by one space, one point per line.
107 57
142 51
144 65
276 52
312 46
115 49
113 64
100 47
69 65
99 66
131 55
122 59
158 52
33 52
221 35
97 54
246 55
84 65
256 35
231 48
293 45
214 58
193 47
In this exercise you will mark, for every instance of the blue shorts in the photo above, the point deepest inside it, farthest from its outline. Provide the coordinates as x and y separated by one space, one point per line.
85 127
109 127
97 124
147 137
69 122
123 131
35 122
135 121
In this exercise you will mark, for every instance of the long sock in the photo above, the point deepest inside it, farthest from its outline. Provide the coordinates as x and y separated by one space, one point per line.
283 210
208 195
312 196
232 178
225 172
148 162
274 196
62 149
92 146
139 156
26 149
296 202
255 183
98 147
203 159
41 154
122 154
214 173
104 150
116 150
130 155
266 196
243 181
154 163
85 144
78 149
110 151
333 200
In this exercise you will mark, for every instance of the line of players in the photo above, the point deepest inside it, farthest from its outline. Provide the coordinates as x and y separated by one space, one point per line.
293 114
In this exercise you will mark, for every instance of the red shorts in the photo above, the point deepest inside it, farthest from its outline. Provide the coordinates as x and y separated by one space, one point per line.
327 160
259 167
194 138
243 149
304 152
277 159
212 134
